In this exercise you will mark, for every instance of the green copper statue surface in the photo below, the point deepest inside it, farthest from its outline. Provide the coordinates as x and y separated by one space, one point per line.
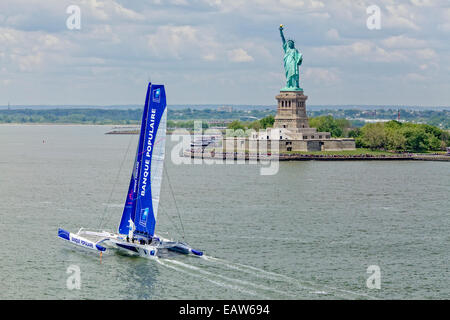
292 61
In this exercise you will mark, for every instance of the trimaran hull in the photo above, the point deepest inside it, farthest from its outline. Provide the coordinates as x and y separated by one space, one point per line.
101 241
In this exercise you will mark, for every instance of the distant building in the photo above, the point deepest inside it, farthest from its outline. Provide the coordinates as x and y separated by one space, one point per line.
225 108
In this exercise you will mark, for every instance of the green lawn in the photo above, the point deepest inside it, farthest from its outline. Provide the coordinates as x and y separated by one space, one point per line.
358 151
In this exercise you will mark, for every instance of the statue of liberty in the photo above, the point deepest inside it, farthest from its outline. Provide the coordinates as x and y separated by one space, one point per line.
292 61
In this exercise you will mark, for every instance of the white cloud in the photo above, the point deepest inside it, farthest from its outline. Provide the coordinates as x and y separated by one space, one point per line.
302 4
27 62
400 16
415 77
403 41
444 27
239 55
104 10
427 54
355 49
333 34
322 76
422 3
30 51
445 18
182 42
210 57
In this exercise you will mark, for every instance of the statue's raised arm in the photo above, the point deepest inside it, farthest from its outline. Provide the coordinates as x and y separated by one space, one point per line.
282 36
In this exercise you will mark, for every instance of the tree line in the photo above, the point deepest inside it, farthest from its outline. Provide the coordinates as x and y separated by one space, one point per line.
389 136
398 136
77 116
337 127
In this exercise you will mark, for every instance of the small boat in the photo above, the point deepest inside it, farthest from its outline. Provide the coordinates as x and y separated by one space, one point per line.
136 231
203 141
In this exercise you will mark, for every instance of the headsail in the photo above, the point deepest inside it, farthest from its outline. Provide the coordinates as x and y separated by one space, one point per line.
141 205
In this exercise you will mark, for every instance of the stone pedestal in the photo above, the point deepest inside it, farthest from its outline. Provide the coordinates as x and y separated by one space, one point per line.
291 111
291 129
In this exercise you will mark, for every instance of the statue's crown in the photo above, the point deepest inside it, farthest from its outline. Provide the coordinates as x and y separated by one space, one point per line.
290 40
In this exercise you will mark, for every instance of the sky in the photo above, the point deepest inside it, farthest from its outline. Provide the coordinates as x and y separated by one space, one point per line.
223 52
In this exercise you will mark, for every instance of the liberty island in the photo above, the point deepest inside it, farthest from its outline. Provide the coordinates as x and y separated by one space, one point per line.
291 128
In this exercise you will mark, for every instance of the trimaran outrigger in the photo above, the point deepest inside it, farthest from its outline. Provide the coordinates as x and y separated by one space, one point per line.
136 232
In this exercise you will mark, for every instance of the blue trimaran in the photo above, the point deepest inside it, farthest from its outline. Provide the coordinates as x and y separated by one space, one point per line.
136 232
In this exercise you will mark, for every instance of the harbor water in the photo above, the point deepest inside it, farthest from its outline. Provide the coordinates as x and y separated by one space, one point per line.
310 231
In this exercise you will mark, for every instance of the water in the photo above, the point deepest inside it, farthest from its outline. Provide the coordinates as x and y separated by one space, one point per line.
308 232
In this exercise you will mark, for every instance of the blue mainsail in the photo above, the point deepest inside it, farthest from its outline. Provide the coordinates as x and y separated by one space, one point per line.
141 204
130 201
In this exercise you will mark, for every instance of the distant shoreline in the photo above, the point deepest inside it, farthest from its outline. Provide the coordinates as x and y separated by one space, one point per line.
16 124
320 157
218 116
304 156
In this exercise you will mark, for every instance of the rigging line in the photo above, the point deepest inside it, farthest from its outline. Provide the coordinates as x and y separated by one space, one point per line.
170 219
175 202
115 182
